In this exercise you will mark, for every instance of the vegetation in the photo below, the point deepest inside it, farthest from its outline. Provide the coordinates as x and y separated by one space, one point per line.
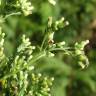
52 62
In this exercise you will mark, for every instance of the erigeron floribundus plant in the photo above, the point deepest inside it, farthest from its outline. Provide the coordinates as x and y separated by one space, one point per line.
17 74
49 45
19 78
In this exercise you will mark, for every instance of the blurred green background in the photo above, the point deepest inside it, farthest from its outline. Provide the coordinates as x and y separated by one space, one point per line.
81 14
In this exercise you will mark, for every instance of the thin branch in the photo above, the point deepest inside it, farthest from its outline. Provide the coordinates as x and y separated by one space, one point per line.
17 13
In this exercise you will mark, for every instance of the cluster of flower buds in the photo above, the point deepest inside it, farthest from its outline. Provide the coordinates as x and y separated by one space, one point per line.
44 85
25 49
61 23
25 6
2 55
31 84
79 52
24 54
54 26
3 58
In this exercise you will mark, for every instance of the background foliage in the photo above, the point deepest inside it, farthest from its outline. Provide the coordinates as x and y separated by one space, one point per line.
70 79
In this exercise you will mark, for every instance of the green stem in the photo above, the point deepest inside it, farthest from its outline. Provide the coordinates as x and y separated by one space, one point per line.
61 49
17 13
67 49
43 43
